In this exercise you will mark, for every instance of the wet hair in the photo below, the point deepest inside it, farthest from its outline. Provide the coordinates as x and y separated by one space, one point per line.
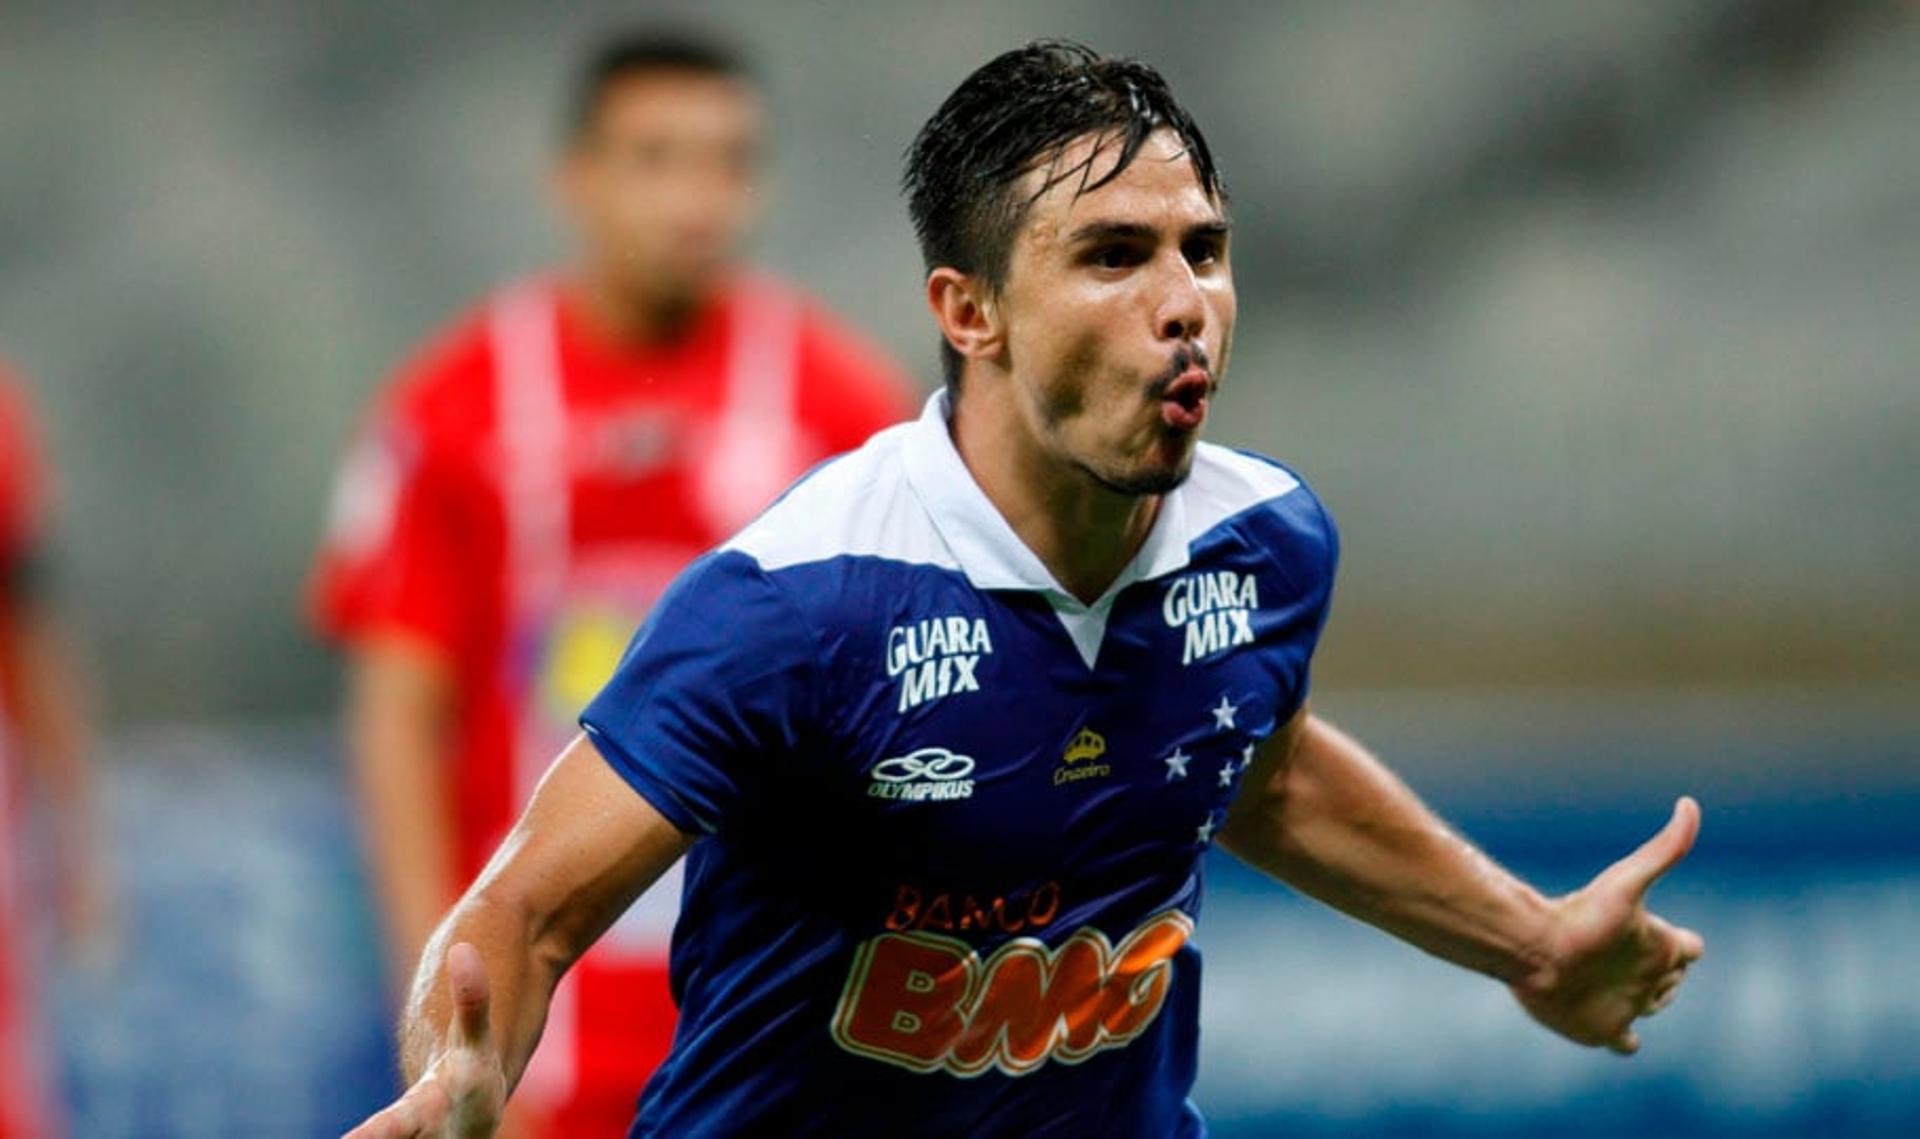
1017 113
640 53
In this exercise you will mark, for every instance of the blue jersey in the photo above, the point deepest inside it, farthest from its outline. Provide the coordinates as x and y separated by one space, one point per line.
952 817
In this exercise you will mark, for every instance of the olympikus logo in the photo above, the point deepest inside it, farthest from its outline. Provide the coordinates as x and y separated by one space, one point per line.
927 1003
936 657
929 773
1216 609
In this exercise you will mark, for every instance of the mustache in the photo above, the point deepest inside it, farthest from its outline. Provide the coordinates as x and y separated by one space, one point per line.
1184 357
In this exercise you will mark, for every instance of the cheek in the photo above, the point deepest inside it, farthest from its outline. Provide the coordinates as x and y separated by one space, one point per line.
626 205
1069 376
1225 310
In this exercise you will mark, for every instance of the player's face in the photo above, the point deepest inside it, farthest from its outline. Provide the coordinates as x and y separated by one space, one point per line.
1118 310
663 184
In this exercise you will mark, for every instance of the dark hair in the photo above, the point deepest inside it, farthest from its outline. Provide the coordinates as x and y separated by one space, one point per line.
638 53
1014 114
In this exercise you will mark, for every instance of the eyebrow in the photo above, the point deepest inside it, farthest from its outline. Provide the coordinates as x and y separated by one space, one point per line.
1097 231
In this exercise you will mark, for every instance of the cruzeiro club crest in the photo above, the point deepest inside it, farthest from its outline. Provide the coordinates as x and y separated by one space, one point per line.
1081 760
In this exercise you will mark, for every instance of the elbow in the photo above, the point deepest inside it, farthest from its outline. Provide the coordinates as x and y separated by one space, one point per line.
1256 830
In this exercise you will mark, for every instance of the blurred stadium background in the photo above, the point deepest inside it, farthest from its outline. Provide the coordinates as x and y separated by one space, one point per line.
1594 323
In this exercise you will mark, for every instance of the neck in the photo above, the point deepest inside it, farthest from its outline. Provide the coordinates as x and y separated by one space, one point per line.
1082 531
621 313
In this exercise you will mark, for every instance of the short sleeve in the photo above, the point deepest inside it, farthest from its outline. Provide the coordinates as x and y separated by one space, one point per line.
718 683
1309 554
401 552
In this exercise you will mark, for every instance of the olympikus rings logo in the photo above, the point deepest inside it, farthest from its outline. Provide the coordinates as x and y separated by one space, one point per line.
929 773
1216 610
936 657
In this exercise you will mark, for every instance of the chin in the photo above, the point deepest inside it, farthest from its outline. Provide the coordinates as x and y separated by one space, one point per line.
1148 480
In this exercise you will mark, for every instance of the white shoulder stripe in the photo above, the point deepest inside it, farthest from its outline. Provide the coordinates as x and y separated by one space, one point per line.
858 505
1224 483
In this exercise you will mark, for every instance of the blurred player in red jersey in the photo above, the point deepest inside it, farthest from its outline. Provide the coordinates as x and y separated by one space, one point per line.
42 750
534 479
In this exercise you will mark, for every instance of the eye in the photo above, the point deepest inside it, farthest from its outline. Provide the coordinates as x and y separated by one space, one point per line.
1116 255
1203 250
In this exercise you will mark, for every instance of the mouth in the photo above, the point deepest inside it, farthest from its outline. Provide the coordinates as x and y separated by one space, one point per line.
1183 400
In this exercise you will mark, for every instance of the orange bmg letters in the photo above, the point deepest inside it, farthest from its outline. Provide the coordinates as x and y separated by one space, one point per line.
926 1002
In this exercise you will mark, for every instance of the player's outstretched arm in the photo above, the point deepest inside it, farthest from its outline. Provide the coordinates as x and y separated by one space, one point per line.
463 1092
583 851
1320 813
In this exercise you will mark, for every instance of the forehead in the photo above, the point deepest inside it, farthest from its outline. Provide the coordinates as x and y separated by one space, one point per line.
1159 188
675 100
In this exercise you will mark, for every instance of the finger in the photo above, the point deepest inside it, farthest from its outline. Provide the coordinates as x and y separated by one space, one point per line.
392 1123
1662 998
1669 946
467 975
416 1115
383 1125
1637 872
1689 946
1626 1044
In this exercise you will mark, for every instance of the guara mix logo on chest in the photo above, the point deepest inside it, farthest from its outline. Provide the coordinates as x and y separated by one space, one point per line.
1215 611
936 657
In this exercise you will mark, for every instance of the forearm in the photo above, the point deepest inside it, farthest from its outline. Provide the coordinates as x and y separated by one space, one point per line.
521 974
52 722
1333 822
583 851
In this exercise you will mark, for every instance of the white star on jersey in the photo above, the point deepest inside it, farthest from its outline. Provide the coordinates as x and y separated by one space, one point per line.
1177 765
1223 715
1204 832
1246 756
1226 774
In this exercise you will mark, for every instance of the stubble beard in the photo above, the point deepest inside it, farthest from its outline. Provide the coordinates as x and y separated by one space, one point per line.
1139 484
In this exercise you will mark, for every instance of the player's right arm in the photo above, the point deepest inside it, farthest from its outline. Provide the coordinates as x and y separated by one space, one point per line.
400 709
585 848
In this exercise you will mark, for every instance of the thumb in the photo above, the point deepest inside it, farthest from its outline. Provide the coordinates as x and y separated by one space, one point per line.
1637 872
467 977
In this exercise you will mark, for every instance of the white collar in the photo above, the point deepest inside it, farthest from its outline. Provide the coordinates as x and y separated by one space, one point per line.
985 546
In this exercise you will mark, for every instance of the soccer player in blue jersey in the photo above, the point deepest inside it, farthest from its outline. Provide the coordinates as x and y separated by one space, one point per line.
944 734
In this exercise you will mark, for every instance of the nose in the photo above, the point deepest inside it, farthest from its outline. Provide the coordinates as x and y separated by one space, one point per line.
1183 309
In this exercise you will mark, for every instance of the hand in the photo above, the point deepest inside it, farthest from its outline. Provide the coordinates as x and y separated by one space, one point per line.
1608 960
463 1093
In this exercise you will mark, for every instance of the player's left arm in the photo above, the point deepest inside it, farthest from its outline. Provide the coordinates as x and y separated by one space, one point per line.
1321 814
49 712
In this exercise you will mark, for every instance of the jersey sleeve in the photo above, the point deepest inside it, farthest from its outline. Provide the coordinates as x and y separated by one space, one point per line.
399 552
718 683
1309 555
851 388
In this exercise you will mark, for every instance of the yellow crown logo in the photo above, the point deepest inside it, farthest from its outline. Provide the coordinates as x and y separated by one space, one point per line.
1089 744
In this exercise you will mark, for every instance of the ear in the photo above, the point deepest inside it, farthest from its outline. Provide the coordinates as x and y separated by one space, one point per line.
965 312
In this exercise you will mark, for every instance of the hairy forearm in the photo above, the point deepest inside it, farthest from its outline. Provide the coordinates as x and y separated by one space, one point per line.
581 853
1330 820
521 974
